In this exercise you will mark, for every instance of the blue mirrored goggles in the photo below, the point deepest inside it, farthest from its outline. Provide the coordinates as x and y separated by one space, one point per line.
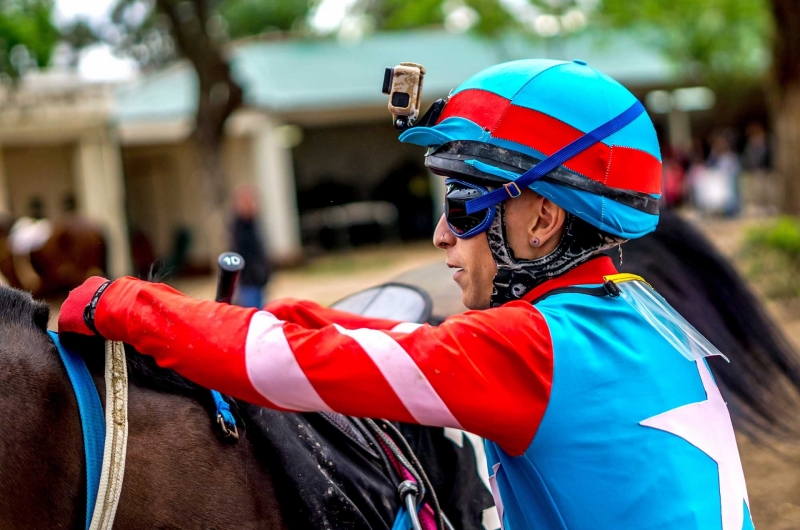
465 225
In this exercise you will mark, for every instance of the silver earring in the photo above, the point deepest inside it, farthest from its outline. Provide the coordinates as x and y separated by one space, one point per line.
535 242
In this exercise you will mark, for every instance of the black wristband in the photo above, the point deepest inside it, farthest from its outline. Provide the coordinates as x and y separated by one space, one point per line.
91 307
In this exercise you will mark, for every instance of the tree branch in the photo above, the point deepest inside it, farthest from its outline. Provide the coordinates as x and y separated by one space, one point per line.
220 95
786 43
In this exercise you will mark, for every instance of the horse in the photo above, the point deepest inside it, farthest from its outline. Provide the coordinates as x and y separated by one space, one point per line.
286 471
75 250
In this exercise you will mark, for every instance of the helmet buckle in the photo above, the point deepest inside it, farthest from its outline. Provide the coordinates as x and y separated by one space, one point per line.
512 186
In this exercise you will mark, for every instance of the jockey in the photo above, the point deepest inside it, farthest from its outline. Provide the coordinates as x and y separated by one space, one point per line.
595 417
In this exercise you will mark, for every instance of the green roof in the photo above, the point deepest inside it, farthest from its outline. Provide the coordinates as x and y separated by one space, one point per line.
298 75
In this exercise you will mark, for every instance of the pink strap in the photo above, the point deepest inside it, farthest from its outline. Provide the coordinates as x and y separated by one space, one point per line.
427 518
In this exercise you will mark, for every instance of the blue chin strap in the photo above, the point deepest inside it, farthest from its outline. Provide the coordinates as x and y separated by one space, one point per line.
92 420
514 188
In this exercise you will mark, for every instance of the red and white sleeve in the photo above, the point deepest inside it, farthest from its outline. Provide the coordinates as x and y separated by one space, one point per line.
487 372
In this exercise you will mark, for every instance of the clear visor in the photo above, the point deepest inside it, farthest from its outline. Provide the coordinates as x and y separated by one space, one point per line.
668 322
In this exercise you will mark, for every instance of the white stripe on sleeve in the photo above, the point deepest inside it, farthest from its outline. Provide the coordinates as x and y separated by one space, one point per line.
404 376
407 327
273 369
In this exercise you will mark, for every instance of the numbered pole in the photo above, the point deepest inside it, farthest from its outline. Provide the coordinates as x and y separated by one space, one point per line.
230 266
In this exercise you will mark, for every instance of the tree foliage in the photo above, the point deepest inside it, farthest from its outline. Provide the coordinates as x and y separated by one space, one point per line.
141 31
27 35
491 18
243 18
714 40
145 30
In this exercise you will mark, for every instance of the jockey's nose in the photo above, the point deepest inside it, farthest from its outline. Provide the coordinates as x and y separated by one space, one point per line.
442 236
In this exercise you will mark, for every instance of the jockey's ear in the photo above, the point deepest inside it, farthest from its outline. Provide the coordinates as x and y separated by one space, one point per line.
549 225
534 225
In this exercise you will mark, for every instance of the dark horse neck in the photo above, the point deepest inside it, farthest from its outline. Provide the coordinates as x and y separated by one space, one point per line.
177 475
42 481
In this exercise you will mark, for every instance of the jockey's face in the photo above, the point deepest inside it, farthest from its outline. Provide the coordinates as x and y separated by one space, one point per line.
533 225
474 264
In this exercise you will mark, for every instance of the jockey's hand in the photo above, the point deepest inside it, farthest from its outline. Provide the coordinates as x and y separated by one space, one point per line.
71 318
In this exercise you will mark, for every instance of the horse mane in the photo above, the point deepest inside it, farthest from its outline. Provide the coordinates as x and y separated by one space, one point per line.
144 372
762 381
19 308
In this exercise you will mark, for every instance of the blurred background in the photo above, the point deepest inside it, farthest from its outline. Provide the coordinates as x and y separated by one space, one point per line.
145 136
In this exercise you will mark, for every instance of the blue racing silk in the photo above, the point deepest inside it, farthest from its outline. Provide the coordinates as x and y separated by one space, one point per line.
635 436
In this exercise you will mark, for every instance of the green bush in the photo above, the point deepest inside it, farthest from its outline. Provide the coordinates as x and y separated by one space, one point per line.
773 254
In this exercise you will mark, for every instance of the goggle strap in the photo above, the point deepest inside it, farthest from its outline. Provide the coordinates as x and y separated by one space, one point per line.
556 159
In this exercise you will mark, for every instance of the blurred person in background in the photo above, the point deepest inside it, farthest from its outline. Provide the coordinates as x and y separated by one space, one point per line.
246 240
674 179
695 171
715 182
756 160
722 159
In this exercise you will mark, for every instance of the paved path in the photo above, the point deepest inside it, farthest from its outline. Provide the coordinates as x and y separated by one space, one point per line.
327 279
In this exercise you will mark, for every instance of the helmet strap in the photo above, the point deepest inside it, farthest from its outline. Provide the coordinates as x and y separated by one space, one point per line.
516 277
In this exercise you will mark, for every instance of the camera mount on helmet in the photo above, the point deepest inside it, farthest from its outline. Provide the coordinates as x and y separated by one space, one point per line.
403 85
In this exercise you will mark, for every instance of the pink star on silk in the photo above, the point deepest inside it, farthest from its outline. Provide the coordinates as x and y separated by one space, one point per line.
707 426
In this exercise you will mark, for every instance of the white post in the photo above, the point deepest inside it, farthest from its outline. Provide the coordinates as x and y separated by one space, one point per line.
680 130
100 191
274 176
5 196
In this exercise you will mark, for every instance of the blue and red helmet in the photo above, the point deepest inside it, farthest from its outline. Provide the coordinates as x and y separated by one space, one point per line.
504 121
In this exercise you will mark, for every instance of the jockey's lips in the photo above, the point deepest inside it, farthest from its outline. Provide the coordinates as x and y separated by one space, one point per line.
458 272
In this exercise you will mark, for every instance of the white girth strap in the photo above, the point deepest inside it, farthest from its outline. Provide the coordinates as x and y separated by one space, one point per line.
116 438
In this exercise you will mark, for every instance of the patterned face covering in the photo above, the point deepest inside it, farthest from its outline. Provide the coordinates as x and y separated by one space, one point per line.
515 278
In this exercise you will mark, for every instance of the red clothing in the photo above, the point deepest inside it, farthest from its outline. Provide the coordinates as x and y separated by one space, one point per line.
488 372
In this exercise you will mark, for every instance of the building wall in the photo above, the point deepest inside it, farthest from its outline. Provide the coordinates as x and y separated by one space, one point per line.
164 191
237 157
43 171
150 203
165 194
162 196
365 162
360 156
